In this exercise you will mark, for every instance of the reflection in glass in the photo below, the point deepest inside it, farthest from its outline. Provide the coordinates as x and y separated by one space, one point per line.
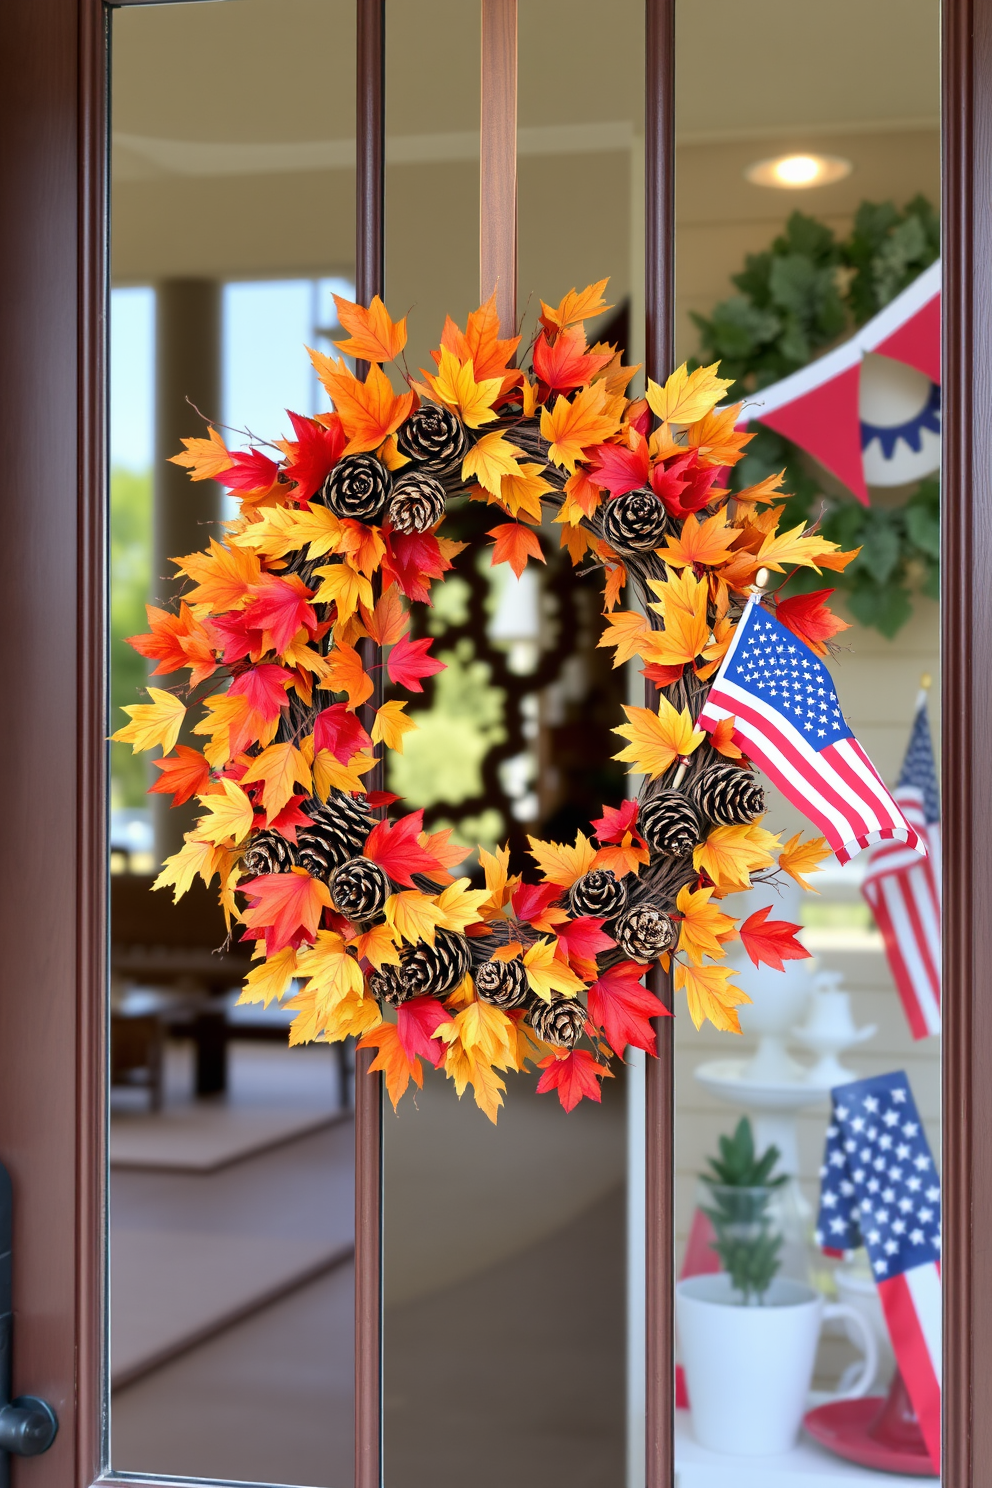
768 280
232 1168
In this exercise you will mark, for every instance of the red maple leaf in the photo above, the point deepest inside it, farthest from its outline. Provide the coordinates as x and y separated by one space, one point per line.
235 638
616 821
661 673
567 364
375 799
279 609
417 1021
623 1008
574 1076
410 558
265 688
683 485
771 941
285 908
531 900
184 774
315 454
395 848
408 662
620 469
290 817
585 938
338 729
809 618
250 471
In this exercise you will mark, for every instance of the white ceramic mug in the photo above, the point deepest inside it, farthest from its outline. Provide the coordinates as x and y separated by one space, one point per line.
748 1369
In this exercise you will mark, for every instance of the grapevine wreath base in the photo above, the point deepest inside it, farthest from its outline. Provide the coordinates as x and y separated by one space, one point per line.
359 917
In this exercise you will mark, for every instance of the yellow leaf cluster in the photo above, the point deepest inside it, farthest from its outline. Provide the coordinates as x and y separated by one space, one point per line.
657 739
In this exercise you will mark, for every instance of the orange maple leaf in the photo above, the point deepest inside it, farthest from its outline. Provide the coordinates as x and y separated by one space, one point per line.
345 673
716 438
223 576
393 1060
722 738
571 427
278 768
374 335
388 620
480 343
575 306
705 543
205 459
514 544
369 410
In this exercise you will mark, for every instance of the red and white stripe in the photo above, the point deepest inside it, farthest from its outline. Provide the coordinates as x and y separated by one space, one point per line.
911 1303
903 893
838 788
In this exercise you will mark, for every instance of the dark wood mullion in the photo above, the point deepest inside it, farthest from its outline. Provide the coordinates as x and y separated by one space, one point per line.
92 1442
966 560
369 281
659 301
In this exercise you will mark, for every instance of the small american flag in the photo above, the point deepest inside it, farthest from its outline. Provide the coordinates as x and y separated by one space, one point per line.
879 1188
903 892
788 720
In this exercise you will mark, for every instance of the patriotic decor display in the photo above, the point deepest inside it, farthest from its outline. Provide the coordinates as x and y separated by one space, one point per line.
820 406
880 1189
903 891
787 718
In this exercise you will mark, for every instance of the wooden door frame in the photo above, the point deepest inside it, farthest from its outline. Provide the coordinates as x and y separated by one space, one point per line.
53 299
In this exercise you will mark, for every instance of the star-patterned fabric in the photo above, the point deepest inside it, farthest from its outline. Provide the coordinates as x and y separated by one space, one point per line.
878 1184
774 665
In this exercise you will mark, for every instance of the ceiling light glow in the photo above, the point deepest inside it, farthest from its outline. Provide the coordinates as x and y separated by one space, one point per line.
798 172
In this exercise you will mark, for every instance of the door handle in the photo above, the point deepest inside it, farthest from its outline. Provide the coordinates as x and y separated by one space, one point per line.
27 1424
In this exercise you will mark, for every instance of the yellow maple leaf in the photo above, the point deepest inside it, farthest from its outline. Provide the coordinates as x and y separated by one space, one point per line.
730 855
711 994
546 974
157 722
374 335
271 979
330 774
704 928
331 971
205 459
455 386
378 946
657 740
496 867
343 587
391 723
231 814
561 864
682 603
490 459
351 1016
570 427
193 860
576 305
463 1070
521 493
483 1032
687 396
792 548
629 633
460 905
798 858
278 768
413 916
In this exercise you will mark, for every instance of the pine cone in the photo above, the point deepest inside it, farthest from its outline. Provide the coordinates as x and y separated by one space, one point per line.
635 523
417 502
434 438
559 1021
434 970
387 985
503 983
727 795
645 932
599 893
359 889
269 853
357 487
670 823
338 833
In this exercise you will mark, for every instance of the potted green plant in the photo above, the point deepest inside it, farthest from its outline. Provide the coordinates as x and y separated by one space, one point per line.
748 1335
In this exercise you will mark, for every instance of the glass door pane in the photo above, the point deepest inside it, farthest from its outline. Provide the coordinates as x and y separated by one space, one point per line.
231 1154
808 191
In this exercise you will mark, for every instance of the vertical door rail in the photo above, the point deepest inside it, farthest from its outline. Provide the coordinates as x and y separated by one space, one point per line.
498 160
659 301
370 280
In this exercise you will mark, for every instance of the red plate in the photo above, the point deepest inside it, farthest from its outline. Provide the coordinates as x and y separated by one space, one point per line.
843 1426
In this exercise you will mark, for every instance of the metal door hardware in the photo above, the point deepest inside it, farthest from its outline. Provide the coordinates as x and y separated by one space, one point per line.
27 1424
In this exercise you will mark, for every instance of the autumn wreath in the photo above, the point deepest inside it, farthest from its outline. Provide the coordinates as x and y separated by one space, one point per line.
360 917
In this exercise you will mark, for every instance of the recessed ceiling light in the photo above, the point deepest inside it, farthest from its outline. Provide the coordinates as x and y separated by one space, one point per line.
797 172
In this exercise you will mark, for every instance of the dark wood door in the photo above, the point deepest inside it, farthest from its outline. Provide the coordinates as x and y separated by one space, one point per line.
53 926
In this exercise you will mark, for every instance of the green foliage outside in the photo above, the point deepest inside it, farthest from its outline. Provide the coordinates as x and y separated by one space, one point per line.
807 292
741 1189
130 579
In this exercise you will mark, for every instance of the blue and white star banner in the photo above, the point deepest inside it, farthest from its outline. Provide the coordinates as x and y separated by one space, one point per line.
787 718
879 1188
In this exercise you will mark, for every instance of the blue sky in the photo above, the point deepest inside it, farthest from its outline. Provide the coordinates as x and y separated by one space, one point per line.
265 367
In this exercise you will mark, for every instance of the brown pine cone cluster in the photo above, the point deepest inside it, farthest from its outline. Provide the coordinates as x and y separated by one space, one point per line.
358 487
634 523
424 970
727 795
433 438
417 502
645 932
598 893
503 983
339 832
670 823
559 1022
359 889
